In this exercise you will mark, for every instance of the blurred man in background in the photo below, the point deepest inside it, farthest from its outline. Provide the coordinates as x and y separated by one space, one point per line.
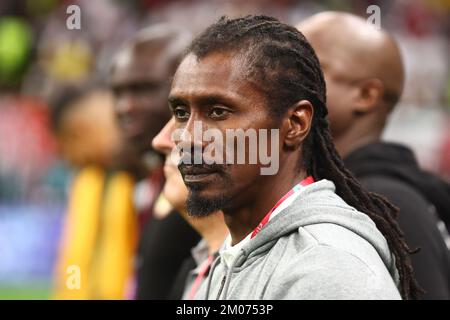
140 79
364 77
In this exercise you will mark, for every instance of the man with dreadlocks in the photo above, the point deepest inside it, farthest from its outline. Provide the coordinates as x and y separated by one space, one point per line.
309 231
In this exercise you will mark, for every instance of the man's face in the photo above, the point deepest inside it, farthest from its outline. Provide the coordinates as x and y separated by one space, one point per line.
174 189
140 81
214 92
88 133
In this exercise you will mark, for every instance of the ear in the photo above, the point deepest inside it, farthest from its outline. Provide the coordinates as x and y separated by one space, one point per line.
297 123
370 95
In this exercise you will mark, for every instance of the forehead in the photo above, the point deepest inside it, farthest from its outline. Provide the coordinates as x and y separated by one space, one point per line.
215 74
141 65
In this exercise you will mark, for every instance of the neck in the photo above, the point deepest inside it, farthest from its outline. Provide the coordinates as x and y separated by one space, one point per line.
347 146
242 220
357 136
215 233
212 229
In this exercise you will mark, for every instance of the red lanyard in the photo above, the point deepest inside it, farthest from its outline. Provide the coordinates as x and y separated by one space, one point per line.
307 181
198 280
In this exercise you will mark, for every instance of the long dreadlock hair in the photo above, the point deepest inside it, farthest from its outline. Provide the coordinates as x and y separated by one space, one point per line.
284 65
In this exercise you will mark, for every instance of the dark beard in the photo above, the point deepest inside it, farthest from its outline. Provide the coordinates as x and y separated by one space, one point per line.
198 206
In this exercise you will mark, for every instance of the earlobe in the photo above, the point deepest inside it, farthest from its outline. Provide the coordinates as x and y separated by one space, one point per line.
298 123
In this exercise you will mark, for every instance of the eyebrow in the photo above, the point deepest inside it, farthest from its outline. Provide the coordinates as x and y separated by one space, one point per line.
204 100
174 100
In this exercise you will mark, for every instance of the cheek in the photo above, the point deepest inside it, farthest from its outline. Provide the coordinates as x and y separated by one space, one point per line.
175 190
175 182
339 107
338 96
74 154
333 96
244 174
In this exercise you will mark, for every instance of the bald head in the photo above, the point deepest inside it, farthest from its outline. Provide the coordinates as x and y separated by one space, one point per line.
363 71
348 43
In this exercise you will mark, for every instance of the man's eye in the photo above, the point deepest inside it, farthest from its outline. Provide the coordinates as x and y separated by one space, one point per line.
181 113
219 113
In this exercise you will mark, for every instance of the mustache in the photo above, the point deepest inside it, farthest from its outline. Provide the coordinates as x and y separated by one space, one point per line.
198 158
193 162
195 169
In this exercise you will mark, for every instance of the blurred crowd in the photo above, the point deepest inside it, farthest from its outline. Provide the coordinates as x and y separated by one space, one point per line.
79 181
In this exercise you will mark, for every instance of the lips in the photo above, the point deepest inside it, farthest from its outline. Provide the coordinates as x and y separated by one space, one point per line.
196 173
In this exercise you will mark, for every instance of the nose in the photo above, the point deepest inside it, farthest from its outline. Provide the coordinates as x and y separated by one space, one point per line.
163 141
190 140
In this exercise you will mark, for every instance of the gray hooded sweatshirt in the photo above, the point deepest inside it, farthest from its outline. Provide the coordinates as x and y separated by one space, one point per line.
317 248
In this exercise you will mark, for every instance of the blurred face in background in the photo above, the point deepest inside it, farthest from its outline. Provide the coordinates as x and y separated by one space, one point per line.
363 71
87 132
342 84
174 189
140 80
